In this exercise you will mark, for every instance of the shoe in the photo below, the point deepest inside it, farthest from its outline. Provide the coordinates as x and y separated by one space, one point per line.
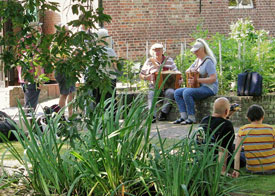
178 121
154 119
162 116
187 122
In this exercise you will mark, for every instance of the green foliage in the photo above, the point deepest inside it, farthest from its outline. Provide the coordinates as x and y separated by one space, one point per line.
115 157
246 49
253 184
187 168
130 74
75 55
184 61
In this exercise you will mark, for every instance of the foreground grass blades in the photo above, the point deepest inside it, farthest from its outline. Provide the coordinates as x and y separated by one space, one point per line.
116 157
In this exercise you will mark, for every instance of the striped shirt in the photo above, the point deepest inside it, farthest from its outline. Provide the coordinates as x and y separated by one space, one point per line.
258 143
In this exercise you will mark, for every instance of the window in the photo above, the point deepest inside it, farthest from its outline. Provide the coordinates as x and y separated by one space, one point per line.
236 4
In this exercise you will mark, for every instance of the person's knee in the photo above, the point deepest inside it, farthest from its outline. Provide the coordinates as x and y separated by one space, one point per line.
188 92
169 93
177 93
151 94
63 96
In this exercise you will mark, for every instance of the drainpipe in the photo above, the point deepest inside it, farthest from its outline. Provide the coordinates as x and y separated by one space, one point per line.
100 5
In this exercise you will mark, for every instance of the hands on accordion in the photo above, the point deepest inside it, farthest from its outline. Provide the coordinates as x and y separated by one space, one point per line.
192 77
173 80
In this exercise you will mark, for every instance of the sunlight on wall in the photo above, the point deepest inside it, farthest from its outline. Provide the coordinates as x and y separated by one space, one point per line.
66 12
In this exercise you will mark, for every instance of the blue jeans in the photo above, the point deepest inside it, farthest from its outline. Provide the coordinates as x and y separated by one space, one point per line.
185 98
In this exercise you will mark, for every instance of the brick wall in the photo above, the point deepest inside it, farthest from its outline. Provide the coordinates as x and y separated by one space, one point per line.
172 21
49 19
10 95
205 107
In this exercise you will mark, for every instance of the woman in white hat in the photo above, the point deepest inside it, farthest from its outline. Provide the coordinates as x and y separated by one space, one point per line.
150 67
205 64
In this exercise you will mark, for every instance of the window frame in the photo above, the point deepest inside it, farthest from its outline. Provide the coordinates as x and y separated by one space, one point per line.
240 6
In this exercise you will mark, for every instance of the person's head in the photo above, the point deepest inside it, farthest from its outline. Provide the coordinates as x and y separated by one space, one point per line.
255 113
221 107
37 26
201 48
102 33
156 50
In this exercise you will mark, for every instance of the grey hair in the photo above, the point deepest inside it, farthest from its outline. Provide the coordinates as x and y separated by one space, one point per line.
102 33
153 47
209 52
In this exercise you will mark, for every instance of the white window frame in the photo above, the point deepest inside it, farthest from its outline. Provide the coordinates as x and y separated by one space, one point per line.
240 6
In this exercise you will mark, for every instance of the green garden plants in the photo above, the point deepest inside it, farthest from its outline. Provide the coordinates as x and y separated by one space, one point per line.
115 157
107 150
244 49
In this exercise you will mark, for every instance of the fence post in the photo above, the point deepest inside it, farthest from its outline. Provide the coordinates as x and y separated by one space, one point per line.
239 53
184 44
127 51
220 59
147 50
181 52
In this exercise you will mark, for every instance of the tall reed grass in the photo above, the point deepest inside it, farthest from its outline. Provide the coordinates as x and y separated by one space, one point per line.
116 157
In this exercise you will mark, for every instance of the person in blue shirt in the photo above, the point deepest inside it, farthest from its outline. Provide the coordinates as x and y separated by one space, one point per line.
185 98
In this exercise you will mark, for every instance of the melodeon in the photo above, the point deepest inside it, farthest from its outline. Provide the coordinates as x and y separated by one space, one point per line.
172 80
195 75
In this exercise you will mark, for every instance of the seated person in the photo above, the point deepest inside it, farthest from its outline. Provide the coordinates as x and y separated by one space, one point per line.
205 64
221 110
258 141
150 67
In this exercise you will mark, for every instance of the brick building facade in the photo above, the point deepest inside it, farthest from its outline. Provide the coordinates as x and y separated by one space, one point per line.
172 21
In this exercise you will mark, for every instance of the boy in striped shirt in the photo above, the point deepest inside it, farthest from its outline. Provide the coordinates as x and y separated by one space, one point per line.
258 141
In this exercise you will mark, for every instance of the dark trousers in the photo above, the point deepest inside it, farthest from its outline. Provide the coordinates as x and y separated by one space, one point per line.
97 95
31 95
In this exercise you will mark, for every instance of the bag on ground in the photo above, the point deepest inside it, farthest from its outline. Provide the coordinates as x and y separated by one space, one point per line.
6 125
249 84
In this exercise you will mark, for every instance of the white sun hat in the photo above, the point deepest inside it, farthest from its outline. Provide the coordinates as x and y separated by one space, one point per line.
102 33
197 46
155 46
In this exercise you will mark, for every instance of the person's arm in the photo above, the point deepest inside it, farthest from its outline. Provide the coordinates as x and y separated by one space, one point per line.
223 154
148 77
145 71
238 148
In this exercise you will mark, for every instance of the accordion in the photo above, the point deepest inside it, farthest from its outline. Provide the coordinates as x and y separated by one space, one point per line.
195 75
172 80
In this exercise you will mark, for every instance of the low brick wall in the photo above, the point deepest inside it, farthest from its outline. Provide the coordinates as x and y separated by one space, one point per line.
10 95
205 107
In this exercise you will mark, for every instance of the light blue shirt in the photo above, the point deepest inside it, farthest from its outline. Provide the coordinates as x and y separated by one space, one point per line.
206 69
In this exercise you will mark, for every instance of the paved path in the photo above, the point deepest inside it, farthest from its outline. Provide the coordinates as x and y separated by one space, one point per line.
169 130
13 111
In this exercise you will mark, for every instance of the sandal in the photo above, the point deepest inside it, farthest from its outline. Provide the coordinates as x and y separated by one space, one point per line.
187 122
178 121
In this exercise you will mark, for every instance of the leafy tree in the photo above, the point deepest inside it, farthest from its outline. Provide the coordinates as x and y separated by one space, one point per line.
75 55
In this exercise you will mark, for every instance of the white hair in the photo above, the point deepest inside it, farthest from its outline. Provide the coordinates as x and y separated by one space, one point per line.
208 51
102 33
153 47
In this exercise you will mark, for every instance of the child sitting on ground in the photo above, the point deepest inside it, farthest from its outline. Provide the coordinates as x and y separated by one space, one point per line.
258 141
